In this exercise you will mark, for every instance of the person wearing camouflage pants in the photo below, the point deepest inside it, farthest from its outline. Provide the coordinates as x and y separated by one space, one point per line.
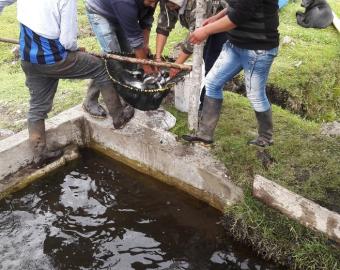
184 10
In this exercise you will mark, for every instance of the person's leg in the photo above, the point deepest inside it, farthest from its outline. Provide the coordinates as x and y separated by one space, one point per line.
225 68
108 42
81 65
212 50
42 91
112 40
256 64
105 33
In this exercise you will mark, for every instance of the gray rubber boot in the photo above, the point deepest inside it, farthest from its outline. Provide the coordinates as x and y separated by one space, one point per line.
91 104
265 129
37 139
120 114
208 122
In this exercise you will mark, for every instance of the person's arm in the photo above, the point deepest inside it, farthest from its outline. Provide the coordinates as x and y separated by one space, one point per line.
160 44
5 3
202 33
141 54
68 25
167 20
215 17
236 15
180 60
146 34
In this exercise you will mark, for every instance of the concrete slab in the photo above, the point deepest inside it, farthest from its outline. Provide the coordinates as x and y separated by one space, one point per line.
144 144
63 129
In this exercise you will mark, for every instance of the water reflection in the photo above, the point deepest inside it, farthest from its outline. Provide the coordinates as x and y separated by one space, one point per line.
94 216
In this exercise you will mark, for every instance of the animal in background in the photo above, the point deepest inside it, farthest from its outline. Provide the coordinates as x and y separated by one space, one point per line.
318 14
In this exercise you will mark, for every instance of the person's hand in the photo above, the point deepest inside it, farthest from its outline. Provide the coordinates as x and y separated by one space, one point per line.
148 69
198 36
209 20
173 72
158 59
147 51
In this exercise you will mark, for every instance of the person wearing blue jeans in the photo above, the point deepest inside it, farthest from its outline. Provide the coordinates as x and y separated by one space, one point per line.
253 39
120 27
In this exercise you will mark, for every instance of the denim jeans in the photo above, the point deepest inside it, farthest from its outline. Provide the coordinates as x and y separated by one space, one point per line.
256 65
110 36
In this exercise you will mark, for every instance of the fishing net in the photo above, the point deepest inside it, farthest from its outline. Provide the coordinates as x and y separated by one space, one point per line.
142 92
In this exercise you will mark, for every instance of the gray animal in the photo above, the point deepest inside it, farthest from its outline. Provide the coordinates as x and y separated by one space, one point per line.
318 14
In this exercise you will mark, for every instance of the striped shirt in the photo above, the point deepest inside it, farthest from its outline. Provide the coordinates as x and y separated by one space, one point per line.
48 29
39 50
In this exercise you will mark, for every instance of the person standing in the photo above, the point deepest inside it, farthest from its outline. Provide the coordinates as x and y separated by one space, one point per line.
49 52
253 40
184 10
120 27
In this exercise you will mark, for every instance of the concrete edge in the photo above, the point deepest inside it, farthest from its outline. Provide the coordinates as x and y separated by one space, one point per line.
305 211
144 144
27 176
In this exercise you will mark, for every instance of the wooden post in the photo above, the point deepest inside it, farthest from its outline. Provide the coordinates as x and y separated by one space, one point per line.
196 80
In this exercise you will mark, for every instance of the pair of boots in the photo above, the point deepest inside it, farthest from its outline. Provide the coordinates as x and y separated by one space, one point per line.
210 115
120 113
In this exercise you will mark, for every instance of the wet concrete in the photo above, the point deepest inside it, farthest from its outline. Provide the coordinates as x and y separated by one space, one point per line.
99 214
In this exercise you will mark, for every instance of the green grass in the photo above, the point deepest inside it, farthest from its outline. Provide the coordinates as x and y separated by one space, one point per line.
304 161
315 84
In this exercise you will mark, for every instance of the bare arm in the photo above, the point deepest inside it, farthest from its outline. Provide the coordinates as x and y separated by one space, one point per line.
223 24
160 44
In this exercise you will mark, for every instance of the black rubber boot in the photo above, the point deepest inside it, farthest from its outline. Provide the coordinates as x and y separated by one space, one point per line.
120 114
91 104
265 129
37 139
207 124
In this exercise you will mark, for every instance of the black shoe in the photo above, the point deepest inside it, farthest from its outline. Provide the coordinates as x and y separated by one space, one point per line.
191 138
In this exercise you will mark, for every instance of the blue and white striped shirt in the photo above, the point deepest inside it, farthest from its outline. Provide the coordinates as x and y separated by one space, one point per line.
39 50
48 29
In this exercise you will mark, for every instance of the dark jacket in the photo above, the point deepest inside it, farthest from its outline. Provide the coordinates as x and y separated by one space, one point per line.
130 15
257 24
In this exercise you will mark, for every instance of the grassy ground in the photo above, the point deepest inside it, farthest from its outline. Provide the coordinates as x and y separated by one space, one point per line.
301 159
307 70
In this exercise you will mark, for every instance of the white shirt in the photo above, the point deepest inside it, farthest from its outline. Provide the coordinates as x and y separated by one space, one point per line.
52 19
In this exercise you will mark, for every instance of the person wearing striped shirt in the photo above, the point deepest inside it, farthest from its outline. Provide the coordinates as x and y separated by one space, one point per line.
253 39
49 52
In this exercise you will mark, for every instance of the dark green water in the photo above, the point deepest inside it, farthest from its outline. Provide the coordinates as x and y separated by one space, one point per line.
97 214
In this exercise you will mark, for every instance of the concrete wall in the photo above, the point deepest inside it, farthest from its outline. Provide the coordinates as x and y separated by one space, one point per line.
144 144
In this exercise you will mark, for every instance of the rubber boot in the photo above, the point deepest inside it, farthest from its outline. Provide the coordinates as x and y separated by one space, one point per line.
208 122
91 104
120 114
37 139
265 129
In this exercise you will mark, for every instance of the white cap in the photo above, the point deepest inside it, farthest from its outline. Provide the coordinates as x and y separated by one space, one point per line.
178 2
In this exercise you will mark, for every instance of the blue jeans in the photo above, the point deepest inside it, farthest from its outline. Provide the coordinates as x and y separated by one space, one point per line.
110 36
256 65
